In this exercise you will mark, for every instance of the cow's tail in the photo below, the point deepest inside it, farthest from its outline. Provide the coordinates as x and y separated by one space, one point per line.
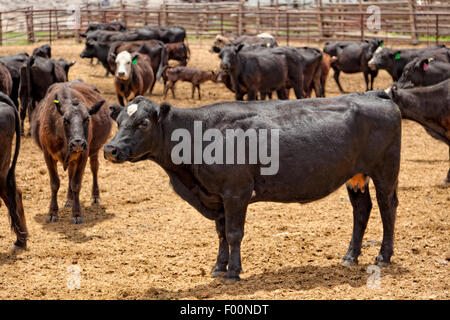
161 63
11 186
188 51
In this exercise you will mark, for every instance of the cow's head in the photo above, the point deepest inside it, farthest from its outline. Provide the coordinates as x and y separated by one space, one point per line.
228 55
383 58
139 131
89 49
65 65
124 61
413 73
75 116
219 43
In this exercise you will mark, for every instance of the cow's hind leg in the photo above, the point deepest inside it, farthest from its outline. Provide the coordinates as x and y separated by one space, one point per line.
220 268
447 180
362 205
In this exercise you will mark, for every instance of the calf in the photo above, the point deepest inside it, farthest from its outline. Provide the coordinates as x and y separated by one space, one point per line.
394 61
71 125
9 192
192 75
133 75
178 51
423 72
327 60
353 58
36 76
6 82
363 130
429 106
271 69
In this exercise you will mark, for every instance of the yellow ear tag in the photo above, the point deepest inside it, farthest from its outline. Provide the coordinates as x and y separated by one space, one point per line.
56 101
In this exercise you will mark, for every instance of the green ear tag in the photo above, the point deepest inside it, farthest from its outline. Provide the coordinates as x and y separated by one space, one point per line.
56 101
134 60
381 45
397 56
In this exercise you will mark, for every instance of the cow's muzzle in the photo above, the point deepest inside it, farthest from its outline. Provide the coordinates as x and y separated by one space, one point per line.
113 154
77 145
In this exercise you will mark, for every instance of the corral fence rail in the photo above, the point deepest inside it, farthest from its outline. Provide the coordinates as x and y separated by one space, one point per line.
402 21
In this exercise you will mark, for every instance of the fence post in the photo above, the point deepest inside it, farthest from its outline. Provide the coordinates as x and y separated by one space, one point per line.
258 19
123 13
319 18
362 26
1 30
239 31
50 25
437 28
277 19
287 28
58 35
412 19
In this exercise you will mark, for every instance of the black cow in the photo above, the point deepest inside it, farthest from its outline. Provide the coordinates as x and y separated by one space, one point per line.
394 61
363 130
99 50
14 63
429 106
44 51
169 34
9 193
108 26
111 36
5 80
352 58
266 70
36 76
423 72
312 71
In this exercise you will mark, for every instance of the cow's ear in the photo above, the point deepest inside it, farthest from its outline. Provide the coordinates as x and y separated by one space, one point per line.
423 64
58 105
239 47
114 111
96 107
134 57
164 109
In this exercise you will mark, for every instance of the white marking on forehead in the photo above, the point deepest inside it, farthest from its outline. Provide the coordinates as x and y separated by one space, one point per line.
388 90
131 109
378 50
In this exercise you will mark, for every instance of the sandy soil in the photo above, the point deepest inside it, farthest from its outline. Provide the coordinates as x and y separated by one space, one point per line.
144 242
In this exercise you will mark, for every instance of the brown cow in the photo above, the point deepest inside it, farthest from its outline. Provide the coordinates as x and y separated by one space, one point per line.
11 195
327 60
133 75
70 125
192 75
6 82
178 51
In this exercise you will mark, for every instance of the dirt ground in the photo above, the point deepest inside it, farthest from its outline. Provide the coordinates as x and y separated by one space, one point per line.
144 242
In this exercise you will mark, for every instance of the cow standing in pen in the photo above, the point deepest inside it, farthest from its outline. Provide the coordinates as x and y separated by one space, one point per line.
133 75
70 125
9 192
362 130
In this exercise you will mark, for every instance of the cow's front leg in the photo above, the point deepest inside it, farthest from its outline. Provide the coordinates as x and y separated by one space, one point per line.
235 209
447 180
75 184
366 79
93 159
220 268
54 185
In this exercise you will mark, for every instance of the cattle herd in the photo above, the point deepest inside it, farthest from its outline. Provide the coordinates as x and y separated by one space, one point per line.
322 143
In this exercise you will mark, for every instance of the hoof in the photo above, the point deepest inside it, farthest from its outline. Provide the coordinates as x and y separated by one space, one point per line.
51 218
380 261
16 249
68 204
231 280
349 261
447 181
77 220
219 274
95 201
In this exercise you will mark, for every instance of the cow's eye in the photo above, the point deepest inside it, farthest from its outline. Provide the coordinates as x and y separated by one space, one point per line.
86 119
144 124
66 121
